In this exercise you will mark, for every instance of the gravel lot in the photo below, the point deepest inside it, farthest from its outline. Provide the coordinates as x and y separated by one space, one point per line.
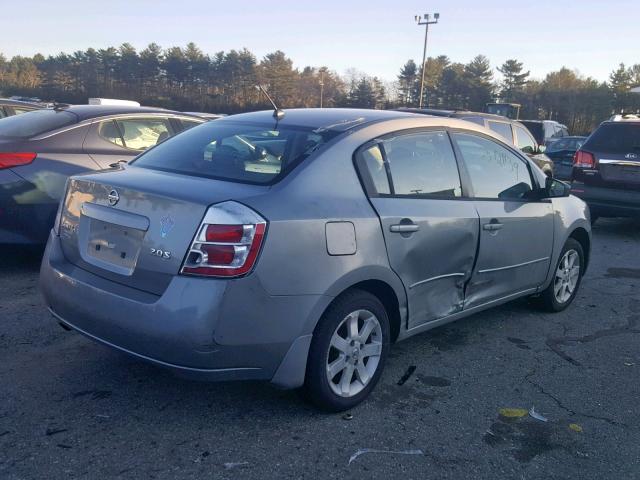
70 408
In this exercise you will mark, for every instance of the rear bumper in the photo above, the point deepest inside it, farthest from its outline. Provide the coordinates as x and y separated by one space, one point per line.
608 201
199 328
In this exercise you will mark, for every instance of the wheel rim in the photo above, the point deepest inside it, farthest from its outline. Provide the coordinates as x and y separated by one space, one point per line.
354 353
567 275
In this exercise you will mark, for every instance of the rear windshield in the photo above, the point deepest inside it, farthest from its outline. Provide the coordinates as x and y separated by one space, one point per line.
236 151
616 138
34 123
536 129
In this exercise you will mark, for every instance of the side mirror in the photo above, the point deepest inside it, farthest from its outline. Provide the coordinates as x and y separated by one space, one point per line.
529 150
555 188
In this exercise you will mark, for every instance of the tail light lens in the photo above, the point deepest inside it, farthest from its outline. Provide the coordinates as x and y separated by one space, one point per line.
583 159
227 243
15 159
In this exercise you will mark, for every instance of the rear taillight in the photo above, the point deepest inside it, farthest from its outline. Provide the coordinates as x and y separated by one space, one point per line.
583 159
15 159
227 242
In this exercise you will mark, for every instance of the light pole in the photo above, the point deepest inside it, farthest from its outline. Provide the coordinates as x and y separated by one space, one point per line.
426 21
321 86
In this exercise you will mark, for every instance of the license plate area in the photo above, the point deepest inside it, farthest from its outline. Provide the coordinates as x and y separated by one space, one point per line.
113 247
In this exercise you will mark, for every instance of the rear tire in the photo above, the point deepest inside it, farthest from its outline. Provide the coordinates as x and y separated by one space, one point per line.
348 352
567 276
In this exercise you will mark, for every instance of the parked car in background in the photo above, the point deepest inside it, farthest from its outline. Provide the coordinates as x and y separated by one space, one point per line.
208 116
9 107
606 169
39 150
514 132
546 131
296 250
561 152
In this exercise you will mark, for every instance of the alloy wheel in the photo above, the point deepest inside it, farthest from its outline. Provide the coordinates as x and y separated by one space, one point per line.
567 275
354 353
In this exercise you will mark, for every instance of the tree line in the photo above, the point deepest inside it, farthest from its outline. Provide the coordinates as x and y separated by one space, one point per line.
186 78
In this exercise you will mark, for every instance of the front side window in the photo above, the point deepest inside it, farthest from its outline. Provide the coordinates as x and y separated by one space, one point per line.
495 171
503 129
142 133
423 164
236 151
526 143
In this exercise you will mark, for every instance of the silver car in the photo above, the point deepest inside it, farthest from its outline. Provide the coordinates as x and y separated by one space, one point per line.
297 249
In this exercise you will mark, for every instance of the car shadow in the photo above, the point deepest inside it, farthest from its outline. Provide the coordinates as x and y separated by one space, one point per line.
21 258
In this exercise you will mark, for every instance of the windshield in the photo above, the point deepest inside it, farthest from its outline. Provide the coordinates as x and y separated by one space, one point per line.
240 152
616 138
34 123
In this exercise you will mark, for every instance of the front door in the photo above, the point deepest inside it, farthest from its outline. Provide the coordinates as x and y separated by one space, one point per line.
431 232
516 231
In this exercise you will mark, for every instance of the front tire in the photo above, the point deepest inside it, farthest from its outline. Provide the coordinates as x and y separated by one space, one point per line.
348 352
566 278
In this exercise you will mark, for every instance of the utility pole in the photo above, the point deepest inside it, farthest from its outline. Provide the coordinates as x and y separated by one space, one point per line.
426 21
321 86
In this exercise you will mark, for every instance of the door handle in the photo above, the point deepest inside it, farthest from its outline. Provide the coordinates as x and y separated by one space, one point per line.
404 228
492 226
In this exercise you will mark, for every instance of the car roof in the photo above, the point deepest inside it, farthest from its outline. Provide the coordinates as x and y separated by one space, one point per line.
86 112
625 121
336 119
455 113
19 103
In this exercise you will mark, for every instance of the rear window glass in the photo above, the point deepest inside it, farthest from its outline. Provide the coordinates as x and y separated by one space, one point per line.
503 129
616 137
241 152
536 128
34 123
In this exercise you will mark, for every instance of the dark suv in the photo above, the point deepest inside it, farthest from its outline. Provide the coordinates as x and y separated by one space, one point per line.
606 170
511 130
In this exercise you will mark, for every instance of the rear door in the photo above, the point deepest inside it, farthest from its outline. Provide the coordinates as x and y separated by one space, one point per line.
516 232
430 229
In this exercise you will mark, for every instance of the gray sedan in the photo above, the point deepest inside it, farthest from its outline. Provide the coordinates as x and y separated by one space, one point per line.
297 249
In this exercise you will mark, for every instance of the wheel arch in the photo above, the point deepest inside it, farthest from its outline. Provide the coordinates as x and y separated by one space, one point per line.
582 237
385 285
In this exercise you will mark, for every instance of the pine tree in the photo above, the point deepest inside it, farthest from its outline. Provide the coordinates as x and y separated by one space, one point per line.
479 79
514 80
407 83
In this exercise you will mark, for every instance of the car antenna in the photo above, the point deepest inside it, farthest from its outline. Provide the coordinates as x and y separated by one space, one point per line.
277 113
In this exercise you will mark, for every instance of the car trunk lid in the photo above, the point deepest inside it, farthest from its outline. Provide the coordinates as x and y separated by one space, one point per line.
134 226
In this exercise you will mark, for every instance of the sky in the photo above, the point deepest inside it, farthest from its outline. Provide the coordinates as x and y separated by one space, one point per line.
376 37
